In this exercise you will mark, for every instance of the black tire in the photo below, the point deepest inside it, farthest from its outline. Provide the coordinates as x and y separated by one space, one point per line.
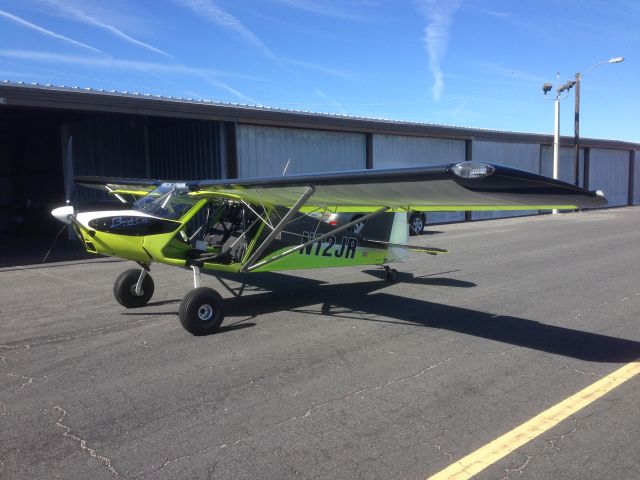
125 285
201 311
392 275
416 224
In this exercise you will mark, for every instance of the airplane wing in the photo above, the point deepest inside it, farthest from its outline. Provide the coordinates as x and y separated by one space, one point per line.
466 186
119 186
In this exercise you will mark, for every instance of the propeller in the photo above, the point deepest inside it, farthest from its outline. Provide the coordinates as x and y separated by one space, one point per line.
69 190
65 214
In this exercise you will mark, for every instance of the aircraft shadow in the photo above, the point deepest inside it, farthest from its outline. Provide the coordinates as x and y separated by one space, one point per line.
298 294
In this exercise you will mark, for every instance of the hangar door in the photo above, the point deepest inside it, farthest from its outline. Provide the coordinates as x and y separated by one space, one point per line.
524 156
265 151
398 151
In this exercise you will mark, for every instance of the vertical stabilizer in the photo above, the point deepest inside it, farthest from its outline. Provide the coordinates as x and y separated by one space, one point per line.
399 235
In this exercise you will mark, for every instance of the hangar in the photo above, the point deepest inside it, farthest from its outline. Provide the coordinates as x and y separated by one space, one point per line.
144 136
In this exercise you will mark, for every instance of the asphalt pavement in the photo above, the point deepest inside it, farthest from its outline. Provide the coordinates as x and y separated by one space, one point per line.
335 373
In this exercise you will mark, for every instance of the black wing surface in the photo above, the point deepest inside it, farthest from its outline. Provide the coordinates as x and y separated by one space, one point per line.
466 186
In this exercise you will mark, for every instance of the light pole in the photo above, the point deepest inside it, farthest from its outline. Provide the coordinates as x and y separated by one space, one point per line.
546 88
576 136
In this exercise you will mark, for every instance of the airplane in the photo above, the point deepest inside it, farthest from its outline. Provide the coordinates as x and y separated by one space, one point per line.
241 226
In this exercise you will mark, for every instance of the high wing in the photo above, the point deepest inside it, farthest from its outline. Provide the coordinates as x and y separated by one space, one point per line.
119 186
467 186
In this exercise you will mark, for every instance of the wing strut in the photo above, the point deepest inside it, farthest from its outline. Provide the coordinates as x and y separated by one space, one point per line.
344 227
278 228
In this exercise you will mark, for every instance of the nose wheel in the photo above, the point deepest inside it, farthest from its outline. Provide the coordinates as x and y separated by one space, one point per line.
133 288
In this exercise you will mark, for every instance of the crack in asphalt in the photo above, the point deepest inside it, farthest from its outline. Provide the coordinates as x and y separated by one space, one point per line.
83 443
45 274
14 349
376 387
591 308
3 406
283 422
553 441
440 448
520 469
24 384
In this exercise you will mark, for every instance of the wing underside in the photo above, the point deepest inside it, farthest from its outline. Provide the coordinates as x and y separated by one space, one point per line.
434 188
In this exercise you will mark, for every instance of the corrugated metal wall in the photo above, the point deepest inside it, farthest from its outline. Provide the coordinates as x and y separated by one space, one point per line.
118 146
609 172
397 151
109 146
264 151
136 147
636 179
525 156
566 166
186 151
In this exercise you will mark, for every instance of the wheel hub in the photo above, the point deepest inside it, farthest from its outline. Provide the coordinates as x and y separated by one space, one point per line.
134 293
205 312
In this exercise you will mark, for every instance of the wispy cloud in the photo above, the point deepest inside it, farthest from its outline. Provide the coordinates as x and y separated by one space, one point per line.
332 102
37 28
208 76
215 14
320 68
80 16
436 38
327 9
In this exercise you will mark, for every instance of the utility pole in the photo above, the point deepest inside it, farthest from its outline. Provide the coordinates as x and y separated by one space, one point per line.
576 125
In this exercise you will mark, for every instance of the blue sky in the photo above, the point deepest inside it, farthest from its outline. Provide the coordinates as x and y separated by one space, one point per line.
473 63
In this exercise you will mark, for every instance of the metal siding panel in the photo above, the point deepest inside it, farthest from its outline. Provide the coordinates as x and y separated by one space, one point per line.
397 151
566 171
186 151
264 151
609 172
524 156
636 179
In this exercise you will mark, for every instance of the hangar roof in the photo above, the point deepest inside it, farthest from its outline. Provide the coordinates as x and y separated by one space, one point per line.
78 99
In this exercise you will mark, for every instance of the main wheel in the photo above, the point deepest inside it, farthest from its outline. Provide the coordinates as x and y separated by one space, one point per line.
416 224
201 311
124 289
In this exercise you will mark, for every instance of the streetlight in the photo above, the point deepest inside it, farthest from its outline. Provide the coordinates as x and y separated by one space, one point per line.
576 138
560 89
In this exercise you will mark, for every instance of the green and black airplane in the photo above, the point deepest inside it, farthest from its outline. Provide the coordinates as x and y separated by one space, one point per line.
275 224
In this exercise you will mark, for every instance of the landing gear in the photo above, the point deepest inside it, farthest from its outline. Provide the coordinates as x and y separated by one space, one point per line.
201 311
133 288
391 274
416 224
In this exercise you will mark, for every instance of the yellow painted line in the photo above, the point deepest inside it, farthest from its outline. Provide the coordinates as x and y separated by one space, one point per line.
507 443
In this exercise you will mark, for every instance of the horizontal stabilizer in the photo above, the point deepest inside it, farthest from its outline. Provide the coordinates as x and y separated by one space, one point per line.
412 248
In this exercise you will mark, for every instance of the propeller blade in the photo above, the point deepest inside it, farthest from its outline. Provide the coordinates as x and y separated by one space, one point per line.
68 173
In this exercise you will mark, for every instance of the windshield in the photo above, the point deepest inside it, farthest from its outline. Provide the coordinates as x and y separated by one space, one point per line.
169 200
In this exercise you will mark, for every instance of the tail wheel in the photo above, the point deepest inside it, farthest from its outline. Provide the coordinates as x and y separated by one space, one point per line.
124 289
201 311
391 274
416 224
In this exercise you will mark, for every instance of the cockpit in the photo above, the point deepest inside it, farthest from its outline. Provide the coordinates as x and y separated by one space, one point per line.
169 201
